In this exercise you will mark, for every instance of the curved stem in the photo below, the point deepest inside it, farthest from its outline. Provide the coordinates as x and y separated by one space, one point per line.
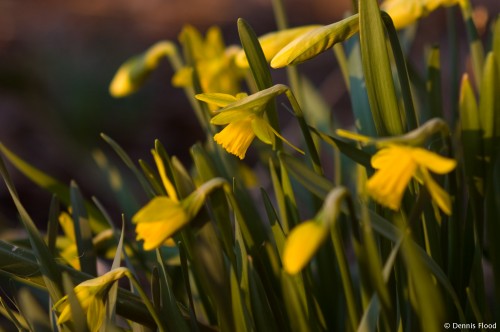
311 148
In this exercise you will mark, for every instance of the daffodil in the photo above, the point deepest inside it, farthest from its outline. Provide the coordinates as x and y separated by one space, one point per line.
305 239
398 161
214 62
406 12
271 43
133 73
164 215
91 294
302 243
244 117
396 165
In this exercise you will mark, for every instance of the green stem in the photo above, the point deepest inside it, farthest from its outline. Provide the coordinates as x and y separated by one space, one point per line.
345 277
147 302
311 148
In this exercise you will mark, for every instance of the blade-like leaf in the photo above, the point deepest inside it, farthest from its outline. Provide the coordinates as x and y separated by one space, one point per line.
83 233
54 186
377 69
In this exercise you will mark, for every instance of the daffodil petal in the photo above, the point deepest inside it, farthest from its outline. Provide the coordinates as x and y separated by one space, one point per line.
218 99
95 315
388 184
386 157
438 194
236 137
432 161
301 245
225 117
160 208
262 130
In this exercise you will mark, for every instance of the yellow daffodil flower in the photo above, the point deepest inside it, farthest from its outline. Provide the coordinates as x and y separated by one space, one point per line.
164 215
396 165
91 294
133 73
214 62
398 161
271 43
302 243
406 12
244 119
305 239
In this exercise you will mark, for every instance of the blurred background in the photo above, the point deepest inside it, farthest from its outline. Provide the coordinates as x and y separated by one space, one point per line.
58 57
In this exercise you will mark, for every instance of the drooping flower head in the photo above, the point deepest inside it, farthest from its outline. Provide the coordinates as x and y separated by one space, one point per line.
92 295
396 165
244 117
399 160
406 12
165 215
306 238
214 62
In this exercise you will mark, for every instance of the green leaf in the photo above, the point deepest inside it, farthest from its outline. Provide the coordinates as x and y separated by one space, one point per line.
259 68
52 185
35 315
261 308
170 311
364 120
489 105
316 184
18 320
472 140
294 302
53 225
128 162
434 106
83 233
389 231
78 317
402 71
50 272
255 56
242 320
278 234
377 69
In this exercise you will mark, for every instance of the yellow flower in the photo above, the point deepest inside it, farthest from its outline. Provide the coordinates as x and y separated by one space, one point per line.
214 62
304 240
396 165
91 294
406 12
244 117
273 42
164 215
133 73
301 245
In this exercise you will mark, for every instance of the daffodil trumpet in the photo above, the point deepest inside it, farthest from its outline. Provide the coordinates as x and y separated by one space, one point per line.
92 295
